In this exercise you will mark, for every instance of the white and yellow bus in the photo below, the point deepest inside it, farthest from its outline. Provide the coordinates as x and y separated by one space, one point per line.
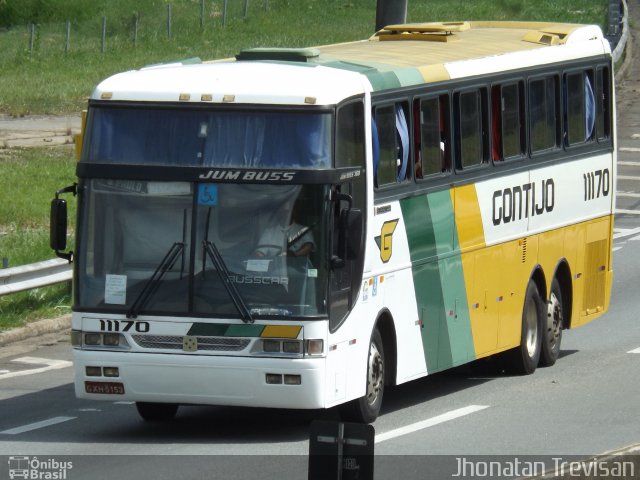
302 228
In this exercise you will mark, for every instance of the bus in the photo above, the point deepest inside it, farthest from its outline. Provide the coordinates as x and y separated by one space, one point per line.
304 228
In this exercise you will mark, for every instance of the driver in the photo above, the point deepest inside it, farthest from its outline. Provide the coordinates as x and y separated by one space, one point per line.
293 240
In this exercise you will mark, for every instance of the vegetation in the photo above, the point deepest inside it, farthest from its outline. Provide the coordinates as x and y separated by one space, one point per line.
28 180
46 80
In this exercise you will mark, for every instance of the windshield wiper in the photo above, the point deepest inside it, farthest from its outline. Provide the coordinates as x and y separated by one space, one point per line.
231 288
152 285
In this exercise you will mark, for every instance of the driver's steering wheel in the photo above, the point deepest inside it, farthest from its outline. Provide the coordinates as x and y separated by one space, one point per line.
269 248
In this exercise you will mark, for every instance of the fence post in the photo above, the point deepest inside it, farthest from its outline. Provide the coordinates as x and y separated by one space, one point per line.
135 30
66 45
246 8
5 262
169 20
224 13
104 33
201 14
266 5
31 36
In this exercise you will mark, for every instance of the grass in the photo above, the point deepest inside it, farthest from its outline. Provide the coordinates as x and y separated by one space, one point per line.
51 82
28 180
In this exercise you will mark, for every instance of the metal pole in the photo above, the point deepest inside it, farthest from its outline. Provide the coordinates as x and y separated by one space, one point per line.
169 20
390 12
246 8
104 32
66 45
5 262
224 13
202 14
31 37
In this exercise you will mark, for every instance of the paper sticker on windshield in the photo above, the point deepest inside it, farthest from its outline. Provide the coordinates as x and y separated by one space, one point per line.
258 265
115 289
207 194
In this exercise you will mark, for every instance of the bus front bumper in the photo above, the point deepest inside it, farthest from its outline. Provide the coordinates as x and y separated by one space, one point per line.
199 379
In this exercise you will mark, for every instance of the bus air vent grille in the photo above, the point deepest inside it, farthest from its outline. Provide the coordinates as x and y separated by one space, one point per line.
166 342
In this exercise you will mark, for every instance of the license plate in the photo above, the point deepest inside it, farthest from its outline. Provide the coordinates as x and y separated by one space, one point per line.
109 388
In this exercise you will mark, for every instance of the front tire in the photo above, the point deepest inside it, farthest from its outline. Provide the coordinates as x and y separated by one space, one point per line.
553 325
524 359
367 408
157 412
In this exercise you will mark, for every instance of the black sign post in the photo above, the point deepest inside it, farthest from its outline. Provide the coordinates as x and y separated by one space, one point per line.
341 451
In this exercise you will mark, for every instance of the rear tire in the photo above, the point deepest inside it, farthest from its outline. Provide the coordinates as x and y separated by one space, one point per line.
367 408
524 359
553 325
157 412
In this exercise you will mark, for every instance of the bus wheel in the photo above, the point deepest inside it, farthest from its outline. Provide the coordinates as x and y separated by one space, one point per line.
553 324
524 359
367 408
156 412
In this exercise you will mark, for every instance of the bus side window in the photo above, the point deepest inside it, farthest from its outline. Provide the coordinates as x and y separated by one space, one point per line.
432 152
392 128
471 128
513 122
580 108
543 114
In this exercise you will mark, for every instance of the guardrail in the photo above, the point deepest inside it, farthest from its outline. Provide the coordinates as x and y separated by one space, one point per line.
34 275
618 31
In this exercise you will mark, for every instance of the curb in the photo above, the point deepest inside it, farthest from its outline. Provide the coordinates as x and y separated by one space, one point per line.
35 329
629 454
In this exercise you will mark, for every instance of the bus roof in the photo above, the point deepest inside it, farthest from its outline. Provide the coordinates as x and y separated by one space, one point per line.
396 56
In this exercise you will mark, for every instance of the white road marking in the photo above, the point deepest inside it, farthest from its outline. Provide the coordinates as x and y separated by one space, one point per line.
625 232
2 372
50 365
616 249
628 177
37 425
414 427
627 212
637 350
628 195
123 403
628 149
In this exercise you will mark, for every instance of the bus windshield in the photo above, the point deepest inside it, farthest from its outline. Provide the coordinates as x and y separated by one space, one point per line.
198 137
169 248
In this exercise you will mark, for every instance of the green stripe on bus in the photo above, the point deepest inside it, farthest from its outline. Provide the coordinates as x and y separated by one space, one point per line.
409 76
438 280
383 80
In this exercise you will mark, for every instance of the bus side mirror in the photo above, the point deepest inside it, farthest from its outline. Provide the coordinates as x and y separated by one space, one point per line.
58 223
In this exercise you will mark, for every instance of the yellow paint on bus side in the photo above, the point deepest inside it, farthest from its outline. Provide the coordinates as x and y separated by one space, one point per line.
496 277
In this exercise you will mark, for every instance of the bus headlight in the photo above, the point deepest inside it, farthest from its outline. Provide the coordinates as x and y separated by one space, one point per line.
314 347
110 340
93 339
